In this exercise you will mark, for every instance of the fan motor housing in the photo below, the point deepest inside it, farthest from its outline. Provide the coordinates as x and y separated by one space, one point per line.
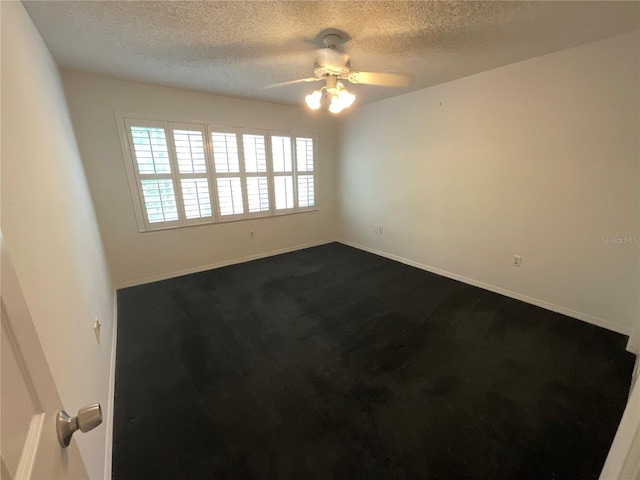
330 61
324 70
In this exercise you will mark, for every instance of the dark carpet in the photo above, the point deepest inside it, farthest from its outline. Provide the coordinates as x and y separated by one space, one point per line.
331 362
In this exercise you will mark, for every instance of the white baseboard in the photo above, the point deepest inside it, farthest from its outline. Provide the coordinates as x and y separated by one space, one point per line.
585 317
592 319
224 263
108 449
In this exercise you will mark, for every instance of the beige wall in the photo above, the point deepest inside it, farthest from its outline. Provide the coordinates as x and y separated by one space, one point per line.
136 257
538 159
50 229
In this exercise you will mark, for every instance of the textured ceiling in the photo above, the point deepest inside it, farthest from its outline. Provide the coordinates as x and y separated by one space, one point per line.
236 48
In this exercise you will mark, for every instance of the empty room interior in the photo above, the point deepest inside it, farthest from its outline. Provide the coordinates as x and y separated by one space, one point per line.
329 239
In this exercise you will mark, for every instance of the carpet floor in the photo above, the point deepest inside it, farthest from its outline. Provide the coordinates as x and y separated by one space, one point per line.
333 363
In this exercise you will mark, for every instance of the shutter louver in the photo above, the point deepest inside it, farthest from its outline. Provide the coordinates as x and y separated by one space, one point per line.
304 154
195 196
189 151
150 148
306 192
159 200
283 187
225 152
230 196
281 152
258 194
255 154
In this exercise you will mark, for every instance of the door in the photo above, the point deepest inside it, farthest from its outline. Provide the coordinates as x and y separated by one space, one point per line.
623 461
29 399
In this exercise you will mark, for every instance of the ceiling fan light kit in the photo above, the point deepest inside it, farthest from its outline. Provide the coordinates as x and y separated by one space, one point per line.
339 97
332 66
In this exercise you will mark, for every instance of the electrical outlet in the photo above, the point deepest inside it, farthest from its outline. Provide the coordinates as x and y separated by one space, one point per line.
379 230
96 328
517 260
252 235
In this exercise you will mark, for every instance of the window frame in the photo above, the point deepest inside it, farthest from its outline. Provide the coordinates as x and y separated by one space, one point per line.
125 120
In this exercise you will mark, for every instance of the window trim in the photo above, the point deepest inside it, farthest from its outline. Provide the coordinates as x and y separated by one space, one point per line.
123 123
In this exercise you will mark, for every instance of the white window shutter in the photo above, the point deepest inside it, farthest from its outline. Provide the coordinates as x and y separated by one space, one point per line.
304 154
230 196
306 191
189 151
196 198
255 153
225 152
159 200
258 194
185 173
283 187
150 150
281 153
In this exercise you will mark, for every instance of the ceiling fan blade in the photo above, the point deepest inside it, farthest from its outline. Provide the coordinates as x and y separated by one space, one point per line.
381 79
291 82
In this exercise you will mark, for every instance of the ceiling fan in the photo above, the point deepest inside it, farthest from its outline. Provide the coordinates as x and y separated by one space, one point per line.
332 66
